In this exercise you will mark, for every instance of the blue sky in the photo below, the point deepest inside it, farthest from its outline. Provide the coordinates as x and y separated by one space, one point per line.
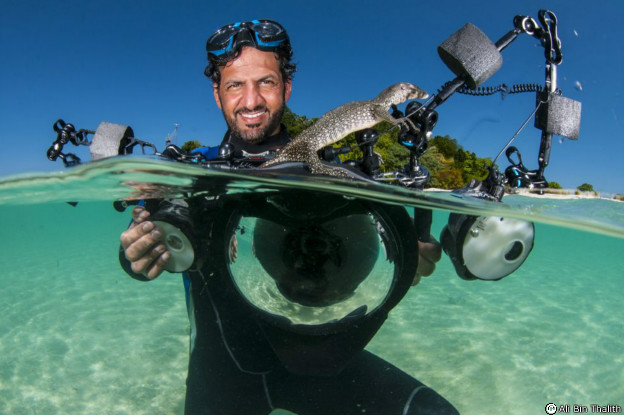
141 63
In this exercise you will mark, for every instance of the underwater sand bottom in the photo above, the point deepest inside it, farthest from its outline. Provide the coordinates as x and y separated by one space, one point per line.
96 341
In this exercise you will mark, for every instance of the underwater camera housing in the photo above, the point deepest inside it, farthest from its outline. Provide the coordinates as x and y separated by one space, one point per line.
473 58
319 273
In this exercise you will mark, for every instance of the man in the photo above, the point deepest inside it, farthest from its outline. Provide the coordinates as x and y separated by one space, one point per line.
235 366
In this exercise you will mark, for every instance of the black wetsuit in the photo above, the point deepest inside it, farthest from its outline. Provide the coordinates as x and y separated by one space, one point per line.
233 368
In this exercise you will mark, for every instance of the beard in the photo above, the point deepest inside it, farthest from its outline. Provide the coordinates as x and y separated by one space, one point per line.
255 134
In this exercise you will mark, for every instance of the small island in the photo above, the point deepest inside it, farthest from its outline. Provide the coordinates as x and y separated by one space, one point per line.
555 191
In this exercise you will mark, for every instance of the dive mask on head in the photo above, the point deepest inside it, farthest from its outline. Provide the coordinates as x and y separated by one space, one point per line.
264 34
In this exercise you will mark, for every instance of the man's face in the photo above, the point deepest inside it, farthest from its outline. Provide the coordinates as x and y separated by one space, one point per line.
252 94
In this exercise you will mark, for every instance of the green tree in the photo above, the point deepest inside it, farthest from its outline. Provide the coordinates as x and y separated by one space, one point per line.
554 185
394 155
586 187
434 161
450 178
294 123
461 156
190 145
446 154
446 145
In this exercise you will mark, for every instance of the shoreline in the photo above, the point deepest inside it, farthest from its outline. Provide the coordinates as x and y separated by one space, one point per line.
548 194
561 194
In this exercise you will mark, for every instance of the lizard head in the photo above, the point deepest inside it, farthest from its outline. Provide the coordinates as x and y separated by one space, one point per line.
401 92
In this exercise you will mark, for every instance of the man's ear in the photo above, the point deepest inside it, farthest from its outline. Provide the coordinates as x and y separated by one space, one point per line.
215 91
287 90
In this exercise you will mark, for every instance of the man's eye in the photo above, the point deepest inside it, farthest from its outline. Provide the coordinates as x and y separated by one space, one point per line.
234 85
268 82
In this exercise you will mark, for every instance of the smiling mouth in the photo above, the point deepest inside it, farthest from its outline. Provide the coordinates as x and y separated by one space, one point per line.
252 117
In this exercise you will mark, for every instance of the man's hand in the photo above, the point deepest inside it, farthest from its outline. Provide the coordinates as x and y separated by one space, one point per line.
143 246
428 254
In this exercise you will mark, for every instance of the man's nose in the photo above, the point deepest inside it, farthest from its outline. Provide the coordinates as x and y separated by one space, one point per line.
252 97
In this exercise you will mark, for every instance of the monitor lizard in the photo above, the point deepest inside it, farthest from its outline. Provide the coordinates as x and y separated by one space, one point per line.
341 121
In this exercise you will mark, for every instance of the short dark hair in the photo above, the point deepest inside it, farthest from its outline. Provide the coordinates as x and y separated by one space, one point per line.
283 53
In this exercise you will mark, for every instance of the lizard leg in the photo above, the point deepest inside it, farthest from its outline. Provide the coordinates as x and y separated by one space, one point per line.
286 154
385 116
316 167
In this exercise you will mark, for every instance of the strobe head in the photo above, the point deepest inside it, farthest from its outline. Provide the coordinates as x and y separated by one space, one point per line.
486 248
174 220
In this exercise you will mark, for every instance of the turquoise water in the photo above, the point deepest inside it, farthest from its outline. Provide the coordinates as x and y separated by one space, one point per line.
77 335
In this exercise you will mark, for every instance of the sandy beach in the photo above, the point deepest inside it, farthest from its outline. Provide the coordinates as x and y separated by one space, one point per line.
562 194
548 194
